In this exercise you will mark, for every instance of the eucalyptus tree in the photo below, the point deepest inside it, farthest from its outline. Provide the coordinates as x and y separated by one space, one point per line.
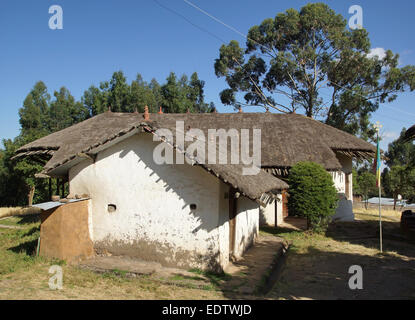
309 61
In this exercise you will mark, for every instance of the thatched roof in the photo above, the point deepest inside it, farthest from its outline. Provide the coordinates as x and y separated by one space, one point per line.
285 140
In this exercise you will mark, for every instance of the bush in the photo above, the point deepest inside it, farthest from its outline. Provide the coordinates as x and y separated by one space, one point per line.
312 194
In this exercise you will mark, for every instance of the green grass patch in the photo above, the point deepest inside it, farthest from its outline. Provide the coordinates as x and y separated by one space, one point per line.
215 279
18 246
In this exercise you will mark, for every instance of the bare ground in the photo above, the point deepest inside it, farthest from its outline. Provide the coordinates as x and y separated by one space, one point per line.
316 268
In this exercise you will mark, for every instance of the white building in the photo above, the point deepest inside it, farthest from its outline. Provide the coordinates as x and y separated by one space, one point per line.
181 214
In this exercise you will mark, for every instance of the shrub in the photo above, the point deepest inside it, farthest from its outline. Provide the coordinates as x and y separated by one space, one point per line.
312 194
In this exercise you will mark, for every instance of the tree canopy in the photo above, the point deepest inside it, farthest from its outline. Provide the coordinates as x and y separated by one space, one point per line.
176 95
399 177
400 152
308 60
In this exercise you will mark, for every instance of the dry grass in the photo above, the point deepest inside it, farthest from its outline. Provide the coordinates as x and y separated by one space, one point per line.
17 211
373 214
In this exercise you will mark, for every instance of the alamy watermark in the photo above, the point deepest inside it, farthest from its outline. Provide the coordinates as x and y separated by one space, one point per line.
212 149
56 20
356 280
56 281
356 20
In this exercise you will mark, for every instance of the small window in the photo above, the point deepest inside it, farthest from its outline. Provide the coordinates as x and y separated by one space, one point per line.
193 206
111 208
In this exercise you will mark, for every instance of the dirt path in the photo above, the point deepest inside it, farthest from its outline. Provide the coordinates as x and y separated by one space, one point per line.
252 272
10 227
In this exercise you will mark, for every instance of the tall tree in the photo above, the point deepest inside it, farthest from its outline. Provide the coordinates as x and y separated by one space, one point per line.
118 93
65 111
95 100
308 60
34 114
174 98
367 185
400 152
141 95
400 180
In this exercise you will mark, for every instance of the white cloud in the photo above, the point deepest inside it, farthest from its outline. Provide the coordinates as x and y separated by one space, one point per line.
387 137
379 52
390 135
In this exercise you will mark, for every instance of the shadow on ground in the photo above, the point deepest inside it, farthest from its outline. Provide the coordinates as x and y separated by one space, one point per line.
317 274
28 219
28 247
366 233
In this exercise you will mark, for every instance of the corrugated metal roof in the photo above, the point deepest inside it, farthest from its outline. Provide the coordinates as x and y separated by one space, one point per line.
54 204
389 202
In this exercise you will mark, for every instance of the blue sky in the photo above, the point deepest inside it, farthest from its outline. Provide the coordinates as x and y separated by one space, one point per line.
100 37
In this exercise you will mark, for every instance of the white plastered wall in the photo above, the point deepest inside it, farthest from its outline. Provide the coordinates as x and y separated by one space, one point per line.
153 219
247 225
344 211
267 214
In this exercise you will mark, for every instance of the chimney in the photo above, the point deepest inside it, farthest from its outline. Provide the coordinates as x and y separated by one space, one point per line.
160 111
240 109
146 114
109 108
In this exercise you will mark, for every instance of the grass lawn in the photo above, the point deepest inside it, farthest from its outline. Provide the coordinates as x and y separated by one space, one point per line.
316 268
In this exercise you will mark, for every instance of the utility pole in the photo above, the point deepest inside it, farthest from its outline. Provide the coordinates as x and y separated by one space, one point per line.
377 127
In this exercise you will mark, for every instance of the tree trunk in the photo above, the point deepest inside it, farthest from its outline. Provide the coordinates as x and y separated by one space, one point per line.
30 196
394 201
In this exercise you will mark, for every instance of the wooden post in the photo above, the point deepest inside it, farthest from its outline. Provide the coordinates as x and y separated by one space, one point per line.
30 196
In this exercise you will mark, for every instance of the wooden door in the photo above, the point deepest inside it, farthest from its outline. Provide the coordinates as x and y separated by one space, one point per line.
284 204
232 220
347 191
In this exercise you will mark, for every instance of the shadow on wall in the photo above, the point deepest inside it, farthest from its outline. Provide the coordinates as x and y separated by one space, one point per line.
344 211
247 242
192 185
176 178
172 177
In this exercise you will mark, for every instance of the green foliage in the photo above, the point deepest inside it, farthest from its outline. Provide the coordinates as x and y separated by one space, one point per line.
175 96
312 194
290 59
400 180
366 181
64 111
400 153
356 186
34 115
